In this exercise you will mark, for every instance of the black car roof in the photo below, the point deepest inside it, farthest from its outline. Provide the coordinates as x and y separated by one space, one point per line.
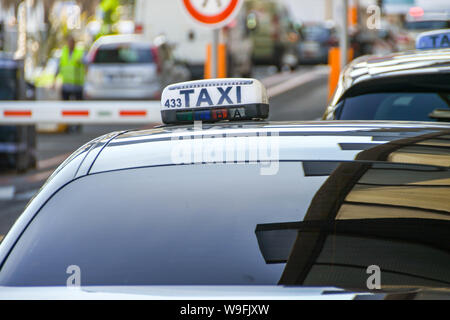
420 145
377 67
124 150
396 64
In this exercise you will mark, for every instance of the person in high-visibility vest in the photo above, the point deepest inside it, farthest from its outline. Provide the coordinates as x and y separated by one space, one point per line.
71 71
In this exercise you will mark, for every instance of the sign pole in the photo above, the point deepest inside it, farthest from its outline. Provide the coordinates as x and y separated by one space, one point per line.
344 35
214 15
214 54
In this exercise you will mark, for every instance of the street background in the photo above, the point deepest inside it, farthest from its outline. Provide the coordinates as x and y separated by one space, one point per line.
283 43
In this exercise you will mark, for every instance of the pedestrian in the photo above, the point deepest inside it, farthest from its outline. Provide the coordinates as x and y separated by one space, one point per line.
71 71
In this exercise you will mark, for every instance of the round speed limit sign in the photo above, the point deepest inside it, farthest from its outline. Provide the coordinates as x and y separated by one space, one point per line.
212 13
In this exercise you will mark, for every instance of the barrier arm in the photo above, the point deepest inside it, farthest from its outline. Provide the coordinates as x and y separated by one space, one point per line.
79 112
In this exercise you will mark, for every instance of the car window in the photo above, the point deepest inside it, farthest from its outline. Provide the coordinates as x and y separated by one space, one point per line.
123 54
407 106
8 84
226 224
161 225
427 25
316 33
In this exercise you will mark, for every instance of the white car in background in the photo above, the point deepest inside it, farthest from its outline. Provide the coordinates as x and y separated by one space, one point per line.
129 67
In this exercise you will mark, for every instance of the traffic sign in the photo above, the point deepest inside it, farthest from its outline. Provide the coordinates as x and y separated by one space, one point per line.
212 13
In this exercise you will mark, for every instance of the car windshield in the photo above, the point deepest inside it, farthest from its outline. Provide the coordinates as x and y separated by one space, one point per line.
316 33
123 54
402 106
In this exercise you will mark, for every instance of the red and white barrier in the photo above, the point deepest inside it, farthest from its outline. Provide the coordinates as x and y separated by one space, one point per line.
79 112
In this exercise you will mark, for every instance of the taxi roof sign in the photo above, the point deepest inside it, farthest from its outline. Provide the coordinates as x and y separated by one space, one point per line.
437 39
214 100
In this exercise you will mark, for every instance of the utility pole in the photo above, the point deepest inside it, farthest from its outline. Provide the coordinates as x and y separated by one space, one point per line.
328 9
214 53
343 41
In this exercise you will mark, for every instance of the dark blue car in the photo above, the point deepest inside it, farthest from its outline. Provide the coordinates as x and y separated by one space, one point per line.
317 41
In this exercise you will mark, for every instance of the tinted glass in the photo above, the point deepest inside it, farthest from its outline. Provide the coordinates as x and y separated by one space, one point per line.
393 106
427 25
227 224
124 54
165 225
7 84
316 33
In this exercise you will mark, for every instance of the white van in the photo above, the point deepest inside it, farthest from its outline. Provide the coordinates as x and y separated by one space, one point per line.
190 39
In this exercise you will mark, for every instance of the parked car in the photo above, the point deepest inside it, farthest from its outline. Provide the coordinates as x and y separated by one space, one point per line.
272 32
403 86
129 67
17 142
317 39
418 21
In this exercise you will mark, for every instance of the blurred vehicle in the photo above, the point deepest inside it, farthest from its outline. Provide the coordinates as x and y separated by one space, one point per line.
400 37
129 67
190 40
385 43
181 206
409 86
272 32
17 142
418 21
317 39
426 23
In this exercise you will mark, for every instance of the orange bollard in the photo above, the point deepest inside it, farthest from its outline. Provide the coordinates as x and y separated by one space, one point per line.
352 16
207 70
350 54
334 62
221 61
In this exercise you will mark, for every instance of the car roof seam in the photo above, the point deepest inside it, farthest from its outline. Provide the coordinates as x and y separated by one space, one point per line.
104 146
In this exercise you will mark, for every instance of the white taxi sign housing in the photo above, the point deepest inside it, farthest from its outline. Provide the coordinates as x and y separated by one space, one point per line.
436 39
214 100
